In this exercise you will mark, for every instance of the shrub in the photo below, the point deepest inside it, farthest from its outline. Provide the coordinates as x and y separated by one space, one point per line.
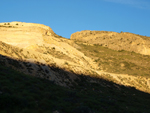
120 50
53 48
82 109
66 63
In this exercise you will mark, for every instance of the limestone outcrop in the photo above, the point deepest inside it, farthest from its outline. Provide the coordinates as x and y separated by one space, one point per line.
23 34
36 43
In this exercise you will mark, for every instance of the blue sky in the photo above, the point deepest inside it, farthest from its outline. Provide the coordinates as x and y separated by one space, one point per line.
68 16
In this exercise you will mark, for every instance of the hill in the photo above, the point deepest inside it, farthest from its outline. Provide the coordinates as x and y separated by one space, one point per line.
82 63
20 93
116 41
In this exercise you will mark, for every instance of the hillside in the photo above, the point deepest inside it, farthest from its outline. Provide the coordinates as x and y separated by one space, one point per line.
21 93
90 59
51 51
116 41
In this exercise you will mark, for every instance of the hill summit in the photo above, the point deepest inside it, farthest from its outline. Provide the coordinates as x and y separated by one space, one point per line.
24 35
116 41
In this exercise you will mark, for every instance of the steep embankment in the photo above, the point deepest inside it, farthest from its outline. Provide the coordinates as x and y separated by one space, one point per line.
116 41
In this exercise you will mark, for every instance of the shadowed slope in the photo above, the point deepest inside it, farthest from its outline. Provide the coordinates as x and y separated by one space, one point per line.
22 93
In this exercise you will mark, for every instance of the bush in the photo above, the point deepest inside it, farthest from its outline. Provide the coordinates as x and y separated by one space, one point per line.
53 48
82 109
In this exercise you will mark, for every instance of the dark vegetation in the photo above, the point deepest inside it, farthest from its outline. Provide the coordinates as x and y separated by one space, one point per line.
7 26
21 93
57 36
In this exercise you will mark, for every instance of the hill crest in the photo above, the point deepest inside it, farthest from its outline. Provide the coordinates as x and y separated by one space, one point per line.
116 41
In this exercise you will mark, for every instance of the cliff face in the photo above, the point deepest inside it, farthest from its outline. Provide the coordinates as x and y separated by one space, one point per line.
36 50
116 41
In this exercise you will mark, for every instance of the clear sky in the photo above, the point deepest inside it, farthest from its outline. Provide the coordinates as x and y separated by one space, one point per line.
68 16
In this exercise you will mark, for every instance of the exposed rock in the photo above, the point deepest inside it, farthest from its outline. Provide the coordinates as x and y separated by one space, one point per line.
39 48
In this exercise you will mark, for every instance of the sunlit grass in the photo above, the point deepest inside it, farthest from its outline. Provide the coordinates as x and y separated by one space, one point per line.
121 62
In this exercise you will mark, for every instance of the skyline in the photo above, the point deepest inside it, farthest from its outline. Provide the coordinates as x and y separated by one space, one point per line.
67 17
